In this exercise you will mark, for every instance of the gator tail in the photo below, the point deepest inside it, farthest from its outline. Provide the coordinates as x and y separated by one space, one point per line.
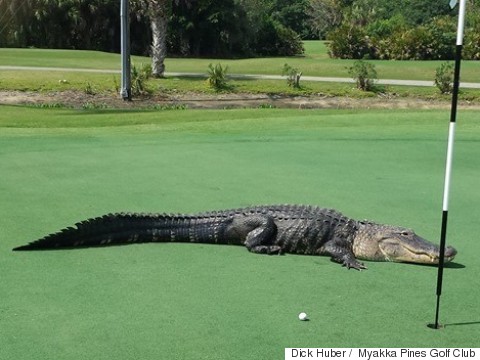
128 228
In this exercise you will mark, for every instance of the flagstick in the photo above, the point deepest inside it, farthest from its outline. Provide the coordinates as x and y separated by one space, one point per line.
448 167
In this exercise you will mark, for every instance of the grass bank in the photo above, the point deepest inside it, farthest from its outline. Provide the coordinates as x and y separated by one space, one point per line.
315 63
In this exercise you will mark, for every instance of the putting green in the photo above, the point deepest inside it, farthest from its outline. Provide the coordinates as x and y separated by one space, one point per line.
185 301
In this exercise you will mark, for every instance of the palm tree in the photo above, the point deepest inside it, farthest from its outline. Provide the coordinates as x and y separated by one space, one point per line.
13 20
158 14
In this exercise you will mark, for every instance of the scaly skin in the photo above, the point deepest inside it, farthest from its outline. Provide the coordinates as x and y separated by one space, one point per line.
278 229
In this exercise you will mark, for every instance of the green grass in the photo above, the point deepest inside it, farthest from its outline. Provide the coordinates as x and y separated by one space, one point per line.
81 59
187 301
173 85
315 63
56 80
316 49
109 83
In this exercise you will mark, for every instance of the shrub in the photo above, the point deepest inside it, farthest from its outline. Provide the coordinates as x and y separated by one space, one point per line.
444 78
443 33
293 76
432 41
274 39
289 42
394 39
217 76
348 42
471 43
139 78
471 48
364 75
383 28
89 89
416 44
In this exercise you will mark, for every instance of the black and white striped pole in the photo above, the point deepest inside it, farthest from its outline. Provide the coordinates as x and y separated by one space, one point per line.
448 166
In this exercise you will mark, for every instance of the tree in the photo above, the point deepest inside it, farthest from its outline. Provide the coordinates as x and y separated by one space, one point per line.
404 29
364 75
293 15
158 14
215 28
14 21
221 28
324 15
73 24
267 31
417 12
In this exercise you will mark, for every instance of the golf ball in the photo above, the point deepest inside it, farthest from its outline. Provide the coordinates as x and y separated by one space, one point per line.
302 316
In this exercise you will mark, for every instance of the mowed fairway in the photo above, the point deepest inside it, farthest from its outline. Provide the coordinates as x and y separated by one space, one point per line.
191 301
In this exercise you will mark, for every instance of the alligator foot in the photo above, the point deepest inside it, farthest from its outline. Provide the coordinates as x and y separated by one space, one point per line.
354 264
349 262
265 249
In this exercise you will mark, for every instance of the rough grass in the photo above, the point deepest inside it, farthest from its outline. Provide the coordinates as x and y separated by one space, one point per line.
54 81
46 81
315 63
212 302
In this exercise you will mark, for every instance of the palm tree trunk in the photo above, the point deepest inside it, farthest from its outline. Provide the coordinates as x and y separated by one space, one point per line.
158 24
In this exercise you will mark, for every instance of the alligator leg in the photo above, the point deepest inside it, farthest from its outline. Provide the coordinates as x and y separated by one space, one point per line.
261 249
341 252
261 238
349 261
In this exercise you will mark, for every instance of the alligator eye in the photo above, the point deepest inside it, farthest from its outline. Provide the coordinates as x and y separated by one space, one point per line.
405 233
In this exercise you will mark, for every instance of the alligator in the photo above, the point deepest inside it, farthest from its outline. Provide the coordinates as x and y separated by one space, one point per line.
278 229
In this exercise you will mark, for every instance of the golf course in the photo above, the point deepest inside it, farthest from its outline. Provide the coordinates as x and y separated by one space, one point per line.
60 165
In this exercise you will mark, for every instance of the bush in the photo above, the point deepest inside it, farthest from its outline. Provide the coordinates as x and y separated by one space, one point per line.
364 75
413 44
471 43
289 42
471 46
293 76
394 39
274 39
217 76
348 42
383 28
471 49
139 78
89 89
444 78
443 32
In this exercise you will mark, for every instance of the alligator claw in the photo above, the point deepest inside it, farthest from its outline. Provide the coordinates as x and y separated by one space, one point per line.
267 249
354 264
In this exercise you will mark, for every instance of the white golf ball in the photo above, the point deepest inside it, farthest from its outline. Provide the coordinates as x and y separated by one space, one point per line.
302 316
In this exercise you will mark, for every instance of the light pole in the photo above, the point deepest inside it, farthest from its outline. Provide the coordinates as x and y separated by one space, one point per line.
126 86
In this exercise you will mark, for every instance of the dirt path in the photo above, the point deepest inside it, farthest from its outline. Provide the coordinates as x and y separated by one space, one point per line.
78 99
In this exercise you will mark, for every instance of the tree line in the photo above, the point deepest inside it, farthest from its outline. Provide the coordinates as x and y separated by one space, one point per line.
399 30
378 29
220 28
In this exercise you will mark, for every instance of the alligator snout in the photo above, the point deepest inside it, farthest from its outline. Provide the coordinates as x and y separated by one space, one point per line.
450 252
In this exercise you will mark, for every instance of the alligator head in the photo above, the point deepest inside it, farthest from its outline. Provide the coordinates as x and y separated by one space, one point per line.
378 242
